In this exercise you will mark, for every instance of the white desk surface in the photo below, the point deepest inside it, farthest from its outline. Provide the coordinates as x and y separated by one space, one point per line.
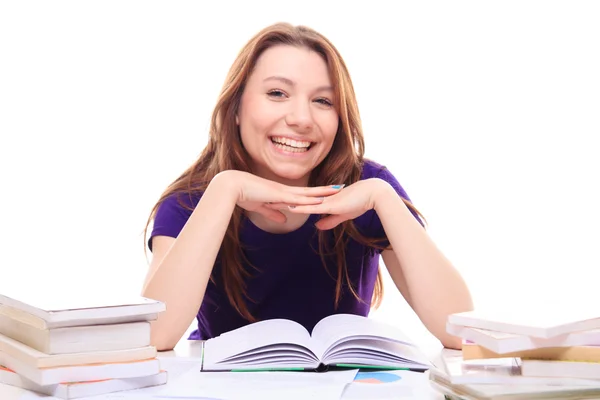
181 359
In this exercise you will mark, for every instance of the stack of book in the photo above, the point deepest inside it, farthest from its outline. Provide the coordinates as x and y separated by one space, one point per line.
82 348
505 358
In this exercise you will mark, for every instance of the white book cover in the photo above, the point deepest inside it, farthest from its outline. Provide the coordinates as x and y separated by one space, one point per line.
37 359
512 392
558 369
536 324
80 373
80 309
503 382
500 342
76 390
503 371
78 339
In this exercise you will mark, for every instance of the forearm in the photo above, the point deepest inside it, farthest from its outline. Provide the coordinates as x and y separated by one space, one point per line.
436 288
181 277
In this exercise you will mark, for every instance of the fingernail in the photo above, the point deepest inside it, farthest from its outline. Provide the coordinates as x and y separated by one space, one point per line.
337 186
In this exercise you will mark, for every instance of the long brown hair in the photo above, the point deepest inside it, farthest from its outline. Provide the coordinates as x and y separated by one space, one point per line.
224 151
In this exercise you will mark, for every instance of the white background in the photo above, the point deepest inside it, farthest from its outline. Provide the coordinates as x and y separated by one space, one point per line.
488 114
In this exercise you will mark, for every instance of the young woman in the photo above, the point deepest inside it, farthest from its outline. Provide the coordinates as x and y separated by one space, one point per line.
281 216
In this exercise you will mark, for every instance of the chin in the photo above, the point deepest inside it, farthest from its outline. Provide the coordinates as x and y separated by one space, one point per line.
291 174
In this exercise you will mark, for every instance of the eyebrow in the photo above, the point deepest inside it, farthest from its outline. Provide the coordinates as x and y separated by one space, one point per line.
290 82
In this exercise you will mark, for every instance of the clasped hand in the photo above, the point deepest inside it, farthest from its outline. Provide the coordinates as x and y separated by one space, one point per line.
338 203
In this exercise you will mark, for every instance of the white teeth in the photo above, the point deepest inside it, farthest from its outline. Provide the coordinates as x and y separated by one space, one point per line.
291 143
291 149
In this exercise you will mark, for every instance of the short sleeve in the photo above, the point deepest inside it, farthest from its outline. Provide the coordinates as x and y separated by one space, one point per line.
387 176
374 228
172 215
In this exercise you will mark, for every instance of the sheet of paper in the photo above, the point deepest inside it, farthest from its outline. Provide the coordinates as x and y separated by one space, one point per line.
177 366
257 385
390 385
8 392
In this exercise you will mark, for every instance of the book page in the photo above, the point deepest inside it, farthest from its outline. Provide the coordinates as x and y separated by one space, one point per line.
342 326
375 352
266 337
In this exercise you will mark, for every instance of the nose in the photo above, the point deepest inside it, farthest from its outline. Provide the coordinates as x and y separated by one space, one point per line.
300 116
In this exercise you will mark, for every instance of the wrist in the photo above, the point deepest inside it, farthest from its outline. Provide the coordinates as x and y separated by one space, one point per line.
382 192
226 184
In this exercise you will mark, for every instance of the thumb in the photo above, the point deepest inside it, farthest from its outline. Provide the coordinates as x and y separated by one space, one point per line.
330 222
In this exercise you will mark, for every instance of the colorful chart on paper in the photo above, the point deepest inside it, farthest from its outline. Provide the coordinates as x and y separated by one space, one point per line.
376 377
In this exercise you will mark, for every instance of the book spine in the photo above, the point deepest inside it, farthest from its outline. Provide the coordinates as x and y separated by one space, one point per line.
23 317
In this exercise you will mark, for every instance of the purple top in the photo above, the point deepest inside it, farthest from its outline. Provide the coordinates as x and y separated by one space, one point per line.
293 282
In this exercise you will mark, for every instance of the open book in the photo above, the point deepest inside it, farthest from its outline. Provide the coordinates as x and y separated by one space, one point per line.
340 340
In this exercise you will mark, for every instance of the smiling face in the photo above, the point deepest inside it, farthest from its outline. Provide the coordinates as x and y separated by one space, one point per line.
286 117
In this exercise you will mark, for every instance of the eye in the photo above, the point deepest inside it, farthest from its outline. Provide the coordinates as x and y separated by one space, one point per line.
276 93
325 102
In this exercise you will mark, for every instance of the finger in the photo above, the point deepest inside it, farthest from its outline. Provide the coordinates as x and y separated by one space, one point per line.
322 208
330 222
273 215
317 191
296 199
278 206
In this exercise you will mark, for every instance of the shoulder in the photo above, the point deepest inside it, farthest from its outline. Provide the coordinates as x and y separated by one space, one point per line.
172 214
371 169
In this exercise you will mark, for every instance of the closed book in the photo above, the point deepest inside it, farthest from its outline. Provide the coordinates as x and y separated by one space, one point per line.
502 371
76 390
503 382
37 359
75 310
511 392
557 369
472 351
530 324
77 339
79 373
501 342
